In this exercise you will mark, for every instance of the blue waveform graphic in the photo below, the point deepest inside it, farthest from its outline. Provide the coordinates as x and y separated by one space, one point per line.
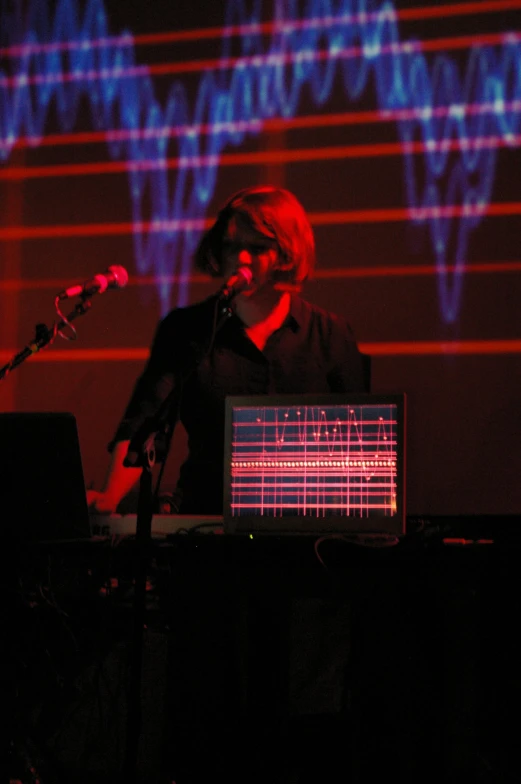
61 57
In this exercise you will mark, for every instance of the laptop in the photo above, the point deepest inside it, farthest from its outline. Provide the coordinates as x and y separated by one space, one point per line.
314 464
41 478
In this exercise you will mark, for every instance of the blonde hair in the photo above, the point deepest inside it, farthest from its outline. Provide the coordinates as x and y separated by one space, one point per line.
274 212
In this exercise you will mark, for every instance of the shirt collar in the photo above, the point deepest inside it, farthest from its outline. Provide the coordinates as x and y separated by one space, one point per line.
295 319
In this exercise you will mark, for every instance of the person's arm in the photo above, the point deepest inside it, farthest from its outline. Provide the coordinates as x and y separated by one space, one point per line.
149 391
119 482
171 354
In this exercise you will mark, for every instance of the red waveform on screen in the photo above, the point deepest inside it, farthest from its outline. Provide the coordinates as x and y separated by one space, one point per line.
305 460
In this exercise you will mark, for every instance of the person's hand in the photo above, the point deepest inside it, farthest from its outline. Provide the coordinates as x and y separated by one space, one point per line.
101 503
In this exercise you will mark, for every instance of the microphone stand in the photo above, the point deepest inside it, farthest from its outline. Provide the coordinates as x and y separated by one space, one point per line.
142 454
143 544
44 336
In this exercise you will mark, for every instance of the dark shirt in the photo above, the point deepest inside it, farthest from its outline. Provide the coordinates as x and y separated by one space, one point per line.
313 352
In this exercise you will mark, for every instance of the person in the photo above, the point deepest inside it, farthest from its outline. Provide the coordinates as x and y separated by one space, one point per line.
265 339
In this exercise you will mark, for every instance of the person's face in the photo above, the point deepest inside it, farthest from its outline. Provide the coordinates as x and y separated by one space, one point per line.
242 246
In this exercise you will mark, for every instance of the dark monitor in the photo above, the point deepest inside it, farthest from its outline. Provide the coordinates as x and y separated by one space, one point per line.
42 489
315 464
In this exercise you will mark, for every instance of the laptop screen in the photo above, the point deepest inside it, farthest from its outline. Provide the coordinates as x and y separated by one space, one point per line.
315 464
41 478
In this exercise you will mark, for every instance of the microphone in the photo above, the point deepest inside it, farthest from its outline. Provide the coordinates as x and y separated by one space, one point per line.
116 277
239 281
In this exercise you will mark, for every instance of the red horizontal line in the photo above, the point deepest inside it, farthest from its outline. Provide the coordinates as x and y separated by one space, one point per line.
265 28
301 155
278 123
191 66
430 347
415 270
403 270
426 12
30 284
84 355
387 215
393 115
404 214
458 9
399 348
95 229
195 66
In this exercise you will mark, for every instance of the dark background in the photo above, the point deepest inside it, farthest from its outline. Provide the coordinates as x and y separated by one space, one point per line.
455 352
